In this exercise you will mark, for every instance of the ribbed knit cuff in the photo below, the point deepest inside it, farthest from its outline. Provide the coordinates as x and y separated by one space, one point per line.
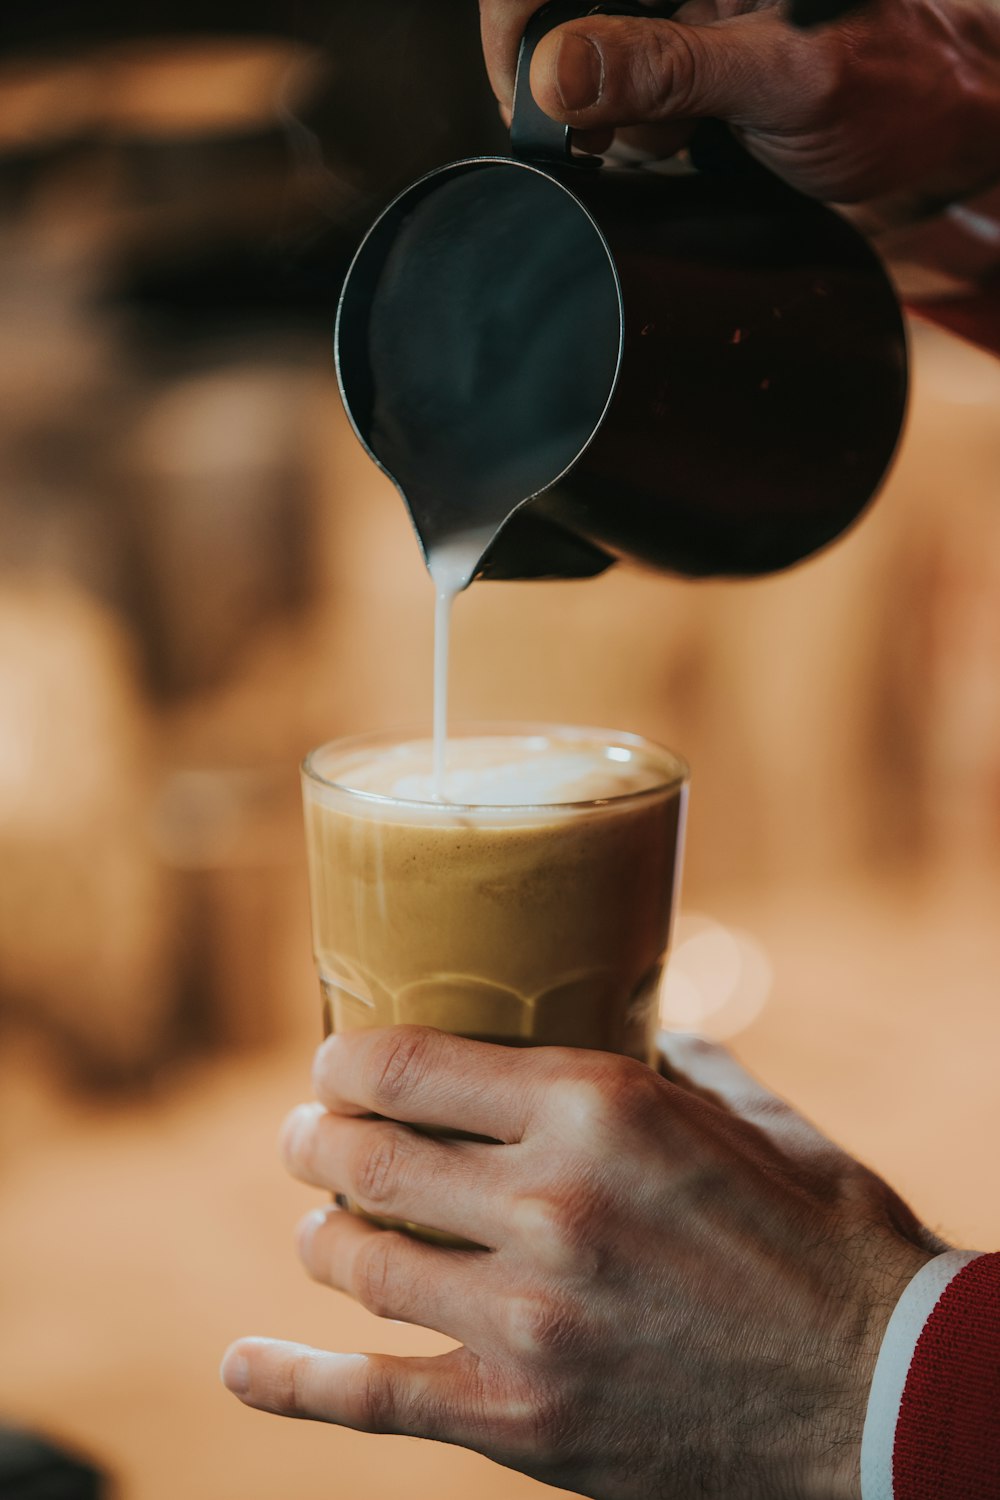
948 1434
893 1365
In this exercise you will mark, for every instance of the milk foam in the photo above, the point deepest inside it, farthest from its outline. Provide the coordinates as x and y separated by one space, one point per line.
505 771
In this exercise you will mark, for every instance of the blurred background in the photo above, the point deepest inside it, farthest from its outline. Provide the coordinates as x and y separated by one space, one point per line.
201 576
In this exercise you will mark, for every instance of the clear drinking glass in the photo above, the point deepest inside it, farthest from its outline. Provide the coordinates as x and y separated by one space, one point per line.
530 923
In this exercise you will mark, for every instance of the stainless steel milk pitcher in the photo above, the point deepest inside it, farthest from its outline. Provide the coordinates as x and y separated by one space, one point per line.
701 369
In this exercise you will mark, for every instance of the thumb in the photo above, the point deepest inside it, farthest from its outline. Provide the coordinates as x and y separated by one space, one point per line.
712 1072
752 70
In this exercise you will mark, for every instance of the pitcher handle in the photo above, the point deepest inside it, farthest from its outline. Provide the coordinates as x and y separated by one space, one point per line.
533 135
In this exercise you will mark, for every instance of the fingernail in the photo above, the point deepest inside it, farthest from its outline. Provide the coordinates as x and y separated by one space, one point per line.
309 1226
235 1374
297 1127
321 1061
579 71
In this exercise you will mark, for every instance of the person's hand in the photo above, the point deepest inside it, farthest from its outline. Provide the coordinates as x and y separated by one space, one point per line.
899 101
684 1287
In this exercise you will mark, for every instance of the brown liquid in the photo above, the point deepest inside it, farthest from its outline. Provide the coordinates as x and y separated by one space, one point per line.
528 925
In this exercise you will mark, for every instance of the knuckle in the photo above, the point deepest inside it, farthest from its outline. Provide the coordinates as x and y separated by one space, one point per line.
832 79
534 1220
836 71
531 1424
634 1095
618 1093
378 1166
543 1327
375 1399
398 1059
666 69
578 1104
561 1229
641 65
291 1395
387 1400
374 1279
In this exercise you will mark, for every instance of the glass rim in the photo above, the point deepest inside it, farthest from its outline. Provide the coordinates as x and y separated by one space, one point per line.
674 781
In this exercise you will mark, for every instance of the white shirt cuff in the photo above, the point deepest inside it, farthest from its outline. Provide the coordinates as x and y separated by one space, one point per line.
895 1356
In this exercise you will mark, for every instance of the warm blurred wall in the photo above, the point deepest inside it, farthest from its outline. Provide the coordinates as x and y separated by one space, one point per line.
179 190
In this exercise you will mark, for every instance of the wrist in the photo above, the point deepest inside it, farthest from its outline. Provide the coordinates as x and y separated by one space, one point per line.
853 1357
904 1330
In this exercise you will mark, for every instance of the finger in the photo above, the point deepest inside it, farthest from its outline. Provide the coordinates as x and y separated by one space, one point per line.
396 1276
701 1066
430 1398
392 1171
502 24
428 1077
609 70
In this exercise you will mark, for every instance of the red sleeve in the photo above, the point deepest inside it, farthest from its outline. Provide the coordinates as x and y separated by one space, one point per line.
947 1443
